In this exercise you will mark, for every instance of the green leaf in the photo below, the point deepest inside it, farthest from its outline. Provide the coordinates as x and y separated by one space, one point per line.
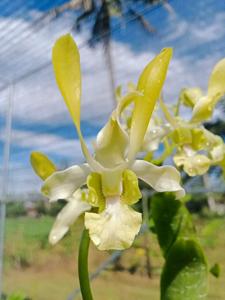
215 270
171 219
185 273
17 297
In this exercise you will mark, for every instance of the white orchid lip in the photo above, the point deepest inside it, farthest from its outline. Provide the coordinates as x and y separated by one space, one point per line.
114 228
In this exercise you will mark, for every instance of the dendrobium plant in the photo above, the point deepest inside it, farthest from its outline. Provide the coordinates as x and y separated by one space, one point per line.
111 174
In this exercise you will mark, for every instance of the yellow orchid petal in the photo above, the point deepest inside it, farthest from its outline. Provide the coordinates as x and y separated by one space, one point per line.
150 84
66 63
115 227
131 192
67 216
203 109
161 179
62 184
189 97
216 86
193 165
111 144
42 165
95 195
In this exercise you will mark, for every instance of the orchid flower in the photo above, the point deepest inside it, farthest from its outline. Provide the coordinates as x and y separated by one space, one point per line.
112 173
203 105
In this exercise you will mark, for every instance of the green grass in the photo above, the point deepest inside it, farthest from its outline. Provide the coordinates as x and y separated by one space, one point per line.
42 272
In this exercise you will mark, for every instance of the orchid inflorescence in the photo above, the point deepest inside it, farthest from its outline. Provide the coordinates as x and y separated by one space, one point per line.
192 146
106 186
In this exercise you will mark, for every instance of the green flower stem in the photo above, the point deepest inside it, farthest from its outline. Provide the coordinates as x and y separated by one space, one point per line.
145 211
177 108
83 266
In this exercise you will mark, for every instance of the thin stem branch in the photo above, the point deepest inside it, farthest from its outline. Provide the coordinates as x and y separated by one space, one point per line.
146 235
83 266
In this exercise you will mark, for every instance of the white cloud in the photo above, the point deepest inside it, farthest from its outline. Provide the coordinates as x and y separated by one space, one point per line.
209 32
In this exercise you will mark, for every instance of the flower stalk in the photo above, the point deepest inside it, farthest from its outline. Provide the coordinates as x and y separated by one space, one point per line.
83 266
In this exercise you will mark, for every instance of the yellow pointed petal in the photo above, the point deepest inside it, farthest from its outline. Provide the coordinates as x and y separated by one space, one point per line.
42 165
203 109
150 84
66 64
216 86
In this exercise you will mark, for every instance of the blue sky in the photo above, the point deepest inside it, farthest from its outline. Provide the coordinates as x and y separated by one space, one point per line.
195 30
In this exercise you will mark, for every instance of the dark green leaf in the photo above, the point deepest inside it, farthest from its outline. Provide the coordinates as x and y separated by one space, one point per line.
215 270
185 272
171 219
